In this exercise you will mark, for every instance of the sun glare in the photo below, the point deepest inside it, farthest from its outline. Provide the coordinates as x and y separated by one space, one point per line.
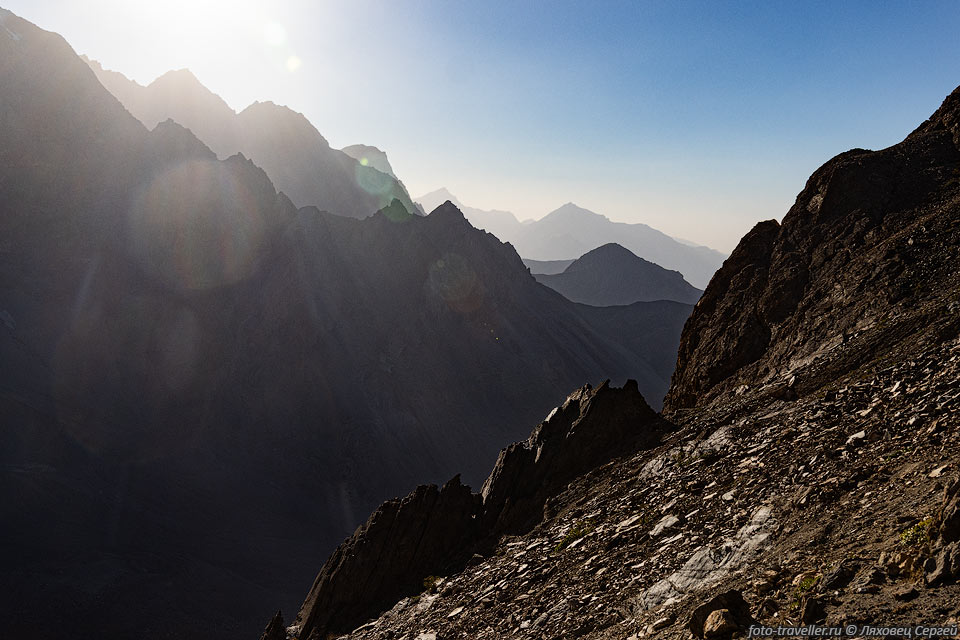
205 27
274 34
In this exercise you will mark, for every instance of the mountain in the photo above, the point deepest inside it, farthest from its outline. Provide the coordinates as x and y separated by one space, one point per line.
546 267
611 275
502 224
370 156
804 471
204 388
572 231
298 159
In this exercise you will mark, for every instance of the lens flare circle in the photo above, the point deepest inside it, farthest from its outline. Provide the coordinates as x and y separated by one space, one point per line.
196 226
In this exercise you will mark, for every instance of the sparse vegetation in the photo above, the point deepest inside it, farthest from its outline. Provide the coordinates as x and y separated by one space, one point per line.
917 535
805 585
581 529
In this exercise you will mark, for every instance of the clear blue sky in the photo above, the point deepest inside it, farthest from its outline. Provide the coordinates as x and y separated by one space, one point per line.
699 118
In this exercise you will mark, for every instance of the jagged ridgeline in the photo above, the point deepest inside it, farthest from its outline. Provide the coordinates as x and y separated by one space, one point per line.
204 389
808 474
294 154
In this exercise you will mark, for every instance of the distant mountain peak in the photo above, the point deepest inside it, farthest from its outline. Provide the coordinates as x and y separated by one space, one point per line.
443 193
607 255
447 210
571 211
613 275
183 75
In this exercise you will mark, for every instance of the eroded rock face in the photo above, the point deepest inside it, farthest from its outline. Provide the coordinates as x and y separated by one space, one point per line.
433 532
736 335
387 558
275 630
867 243
591 427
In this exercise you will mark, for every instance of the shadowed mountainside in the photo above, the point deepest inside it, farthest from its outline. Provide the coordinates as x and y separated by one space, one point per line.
864 244
204 388
611 275
810 475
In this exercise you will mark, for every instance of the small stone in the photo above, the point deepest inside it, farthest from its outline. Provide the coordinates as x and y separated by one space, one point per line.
662 623
906 594
936 473
665 523
812 611
719 624
856 438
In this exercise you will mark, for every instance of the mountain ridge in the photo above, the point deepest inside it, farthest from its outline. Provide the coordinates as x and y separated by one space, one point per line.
571 231
291 150
613 275
809 475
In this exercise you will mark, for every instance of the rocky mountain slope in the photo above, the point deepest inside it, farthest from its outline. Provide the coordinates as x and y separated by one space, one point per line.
298 159
572 231
611 275
502 224
805 469
204 389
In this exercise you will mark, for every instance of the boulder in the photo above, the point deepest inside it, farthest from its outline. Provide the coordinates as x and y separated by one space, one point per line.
721 617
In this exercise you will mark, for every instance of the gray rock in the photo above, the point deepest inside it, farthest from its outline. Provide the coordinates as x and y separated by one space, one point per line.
721 616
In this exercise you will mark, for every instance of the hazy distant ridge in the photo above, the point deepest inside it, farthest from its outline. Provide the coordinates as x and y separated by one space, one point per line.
298 159
572 231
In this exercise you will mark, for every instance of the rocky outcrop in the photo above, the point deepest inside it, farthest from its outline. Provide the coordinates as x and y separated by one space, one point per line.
275 629
944 566
736 335
866 245
436 532
588 429
388 557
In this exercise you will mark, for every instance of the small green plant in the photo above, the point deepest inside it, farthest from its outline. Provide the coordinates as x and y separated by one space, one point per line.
580 529
806 584
917 535
430 584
